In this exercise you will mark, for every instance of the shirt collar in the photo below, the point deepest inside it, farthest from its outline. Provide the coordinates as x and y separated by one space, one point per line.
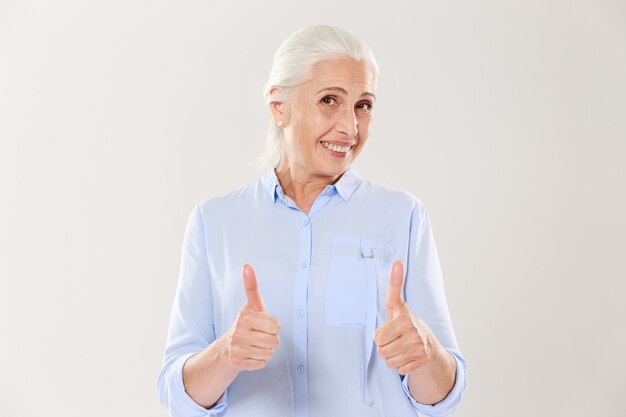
345 186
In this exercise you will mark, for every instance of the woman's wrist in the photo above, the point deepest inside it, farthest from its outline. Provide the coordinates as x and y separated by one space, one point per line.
432 382
208 374
221 354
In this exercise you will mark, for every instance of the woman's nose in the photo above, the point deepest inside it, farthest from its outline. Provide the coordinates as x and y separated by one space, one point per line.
347 123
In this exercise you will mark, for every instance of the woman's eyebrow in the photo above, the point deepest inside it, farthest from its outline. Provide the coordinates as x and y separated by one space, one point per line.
341 90
344 92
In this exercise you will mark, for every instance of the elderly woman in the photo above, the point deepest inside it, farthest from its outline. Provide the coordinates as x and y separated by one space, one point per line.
293 299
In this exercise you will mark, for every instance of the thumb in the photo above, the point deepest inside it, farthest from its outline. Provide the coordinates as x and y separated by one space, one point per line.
253 296
393 300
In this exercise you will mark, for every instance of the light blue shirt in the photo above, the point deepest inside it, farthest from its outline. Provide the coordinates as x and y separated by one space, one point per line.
324 276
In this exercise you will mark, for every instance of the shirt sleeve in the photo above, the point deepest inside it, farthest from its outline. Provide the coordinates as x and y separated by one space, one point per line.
191 326
424 293
452 400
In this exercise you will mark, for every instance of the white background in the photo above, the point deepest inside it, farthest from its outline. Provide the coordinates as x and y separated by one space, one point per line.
507 118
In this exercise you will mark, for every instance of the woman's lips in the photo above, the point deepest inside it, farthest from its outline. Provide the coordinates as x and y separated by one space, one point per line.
337 149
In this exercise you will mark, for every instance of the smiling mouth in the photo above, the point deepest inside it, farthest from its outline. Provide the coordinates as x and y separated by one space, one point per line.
336 148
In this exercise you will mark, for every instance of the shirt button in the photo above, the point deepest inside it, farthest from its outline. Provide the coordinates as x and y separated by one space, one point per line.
300 313
305 264
300 369
306 222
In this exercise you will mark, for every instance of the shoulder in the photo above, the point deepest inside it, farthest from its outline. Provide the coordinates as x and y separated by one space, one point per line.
238 199
392 196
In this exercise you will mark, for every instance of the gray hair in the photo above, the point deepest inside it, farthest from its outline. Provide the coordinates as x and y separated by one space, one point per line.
293 61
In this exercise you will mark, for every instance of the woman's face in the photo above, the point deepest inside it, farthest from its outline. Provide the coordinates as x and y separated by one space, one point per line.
329 118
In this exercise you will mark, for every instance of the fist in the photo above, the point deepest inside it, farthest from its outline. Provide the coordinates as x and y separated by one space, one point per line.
254 335
405 342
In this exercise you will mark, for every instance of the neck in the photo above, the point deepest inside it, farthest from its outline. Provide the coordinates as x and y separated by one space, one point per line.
301 186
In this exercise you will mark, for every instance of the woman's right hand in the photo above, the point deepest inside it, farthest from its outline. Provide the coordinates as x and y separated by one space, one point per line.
253 336
247 346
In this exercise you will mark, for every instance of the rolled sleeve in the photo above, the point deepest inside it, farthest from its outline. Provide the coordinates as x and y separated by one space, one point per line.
191 325
446 406
176 400
424 292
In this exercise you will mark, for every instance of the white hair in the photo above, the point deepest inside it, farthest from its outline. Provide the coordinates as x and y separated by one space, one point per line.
293 61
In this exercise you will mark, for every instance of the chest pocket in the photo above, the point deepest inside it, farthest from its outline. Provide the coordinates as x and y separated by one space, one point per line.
357 279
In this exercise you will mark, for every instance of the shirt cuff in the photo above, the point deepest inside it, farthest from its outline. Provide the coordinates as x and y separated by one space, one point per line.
180 403
451 402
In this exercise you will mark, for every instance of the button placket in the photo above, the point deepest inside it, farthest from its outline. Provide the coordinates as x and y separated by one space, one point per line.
300 381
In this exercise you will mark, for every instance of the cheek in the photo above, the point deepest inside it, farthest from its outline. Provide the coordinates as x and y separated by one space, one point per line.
364 128
324 122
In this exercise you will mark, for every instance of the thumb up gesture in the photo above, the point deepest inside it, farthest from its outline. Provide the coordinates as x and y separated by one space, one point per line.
254 335
405 342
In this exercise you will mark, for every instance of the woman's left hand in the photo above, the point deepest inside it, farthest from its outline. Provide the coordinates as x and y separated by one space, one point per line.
405 342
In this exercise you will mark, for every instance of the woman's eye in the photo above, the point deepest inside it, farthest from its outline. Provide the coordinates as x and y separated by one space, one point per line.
329 100
364 107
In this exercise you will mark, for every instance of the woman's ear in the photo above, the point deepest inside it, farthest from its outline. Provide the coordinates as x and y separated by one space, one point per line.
279 109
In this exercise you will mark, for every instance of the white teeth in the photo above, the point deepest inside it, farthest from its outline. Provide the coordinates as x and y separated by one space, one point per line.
336 148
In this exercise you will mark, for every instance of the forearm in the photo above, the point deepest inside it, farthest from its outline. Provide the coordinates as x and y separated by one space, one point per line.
207 374
431 383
